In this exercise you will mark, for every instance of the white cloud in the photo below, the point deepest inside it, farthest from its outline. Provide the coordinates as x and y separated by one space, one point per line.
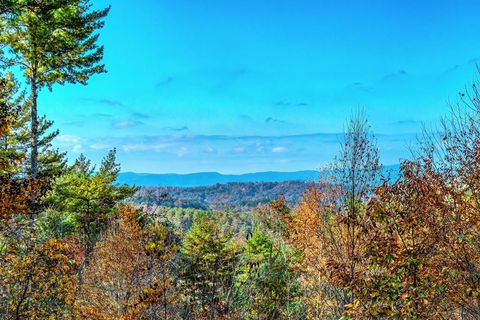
279 150
77 148
210 150
66 138
138 147
99 146
70 142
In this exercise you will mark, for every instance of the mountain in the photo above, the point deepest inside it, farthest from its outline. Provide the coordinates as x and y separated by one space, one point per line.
203 179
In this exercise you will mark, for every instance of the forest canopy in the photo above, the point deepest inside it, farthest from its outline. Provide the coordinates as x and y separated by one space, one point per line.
356 244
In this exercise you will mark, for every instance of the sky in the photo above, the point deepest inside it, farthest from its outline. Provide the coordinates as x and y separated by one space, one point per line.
245 85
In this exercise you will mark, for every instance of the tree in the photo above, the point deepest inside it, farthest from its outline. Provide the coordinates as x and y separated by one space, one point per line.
405 239
162 248
87 200
452 153
18 194
36 276
356 170
208 259
327 225
53 42
36 282
276 216
267 283
123 279
318 231
6 6
356 173
17 139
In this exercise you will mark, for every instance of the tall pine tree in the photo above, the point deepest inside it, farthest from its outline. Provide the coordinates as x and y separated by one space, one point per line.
54 42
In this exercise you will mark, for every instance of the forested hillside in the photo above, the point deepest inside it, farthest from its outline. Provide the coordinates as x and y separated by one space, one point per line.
237 196
356 244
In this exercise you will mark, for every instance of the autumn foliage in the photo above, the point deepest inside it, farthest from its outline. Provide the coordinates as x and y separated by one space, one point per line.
410 250
123 280
358 245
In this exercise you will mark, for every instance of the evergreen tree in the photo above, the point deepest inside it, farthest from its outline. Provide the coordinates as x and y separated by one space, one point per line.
268 286
208 261
86 199
6 6
35 275
9 100
53 41
18 194
18 140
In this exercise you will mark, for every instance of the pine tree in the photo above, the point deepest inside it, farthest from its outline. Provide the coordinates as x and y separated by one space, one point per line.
35 275
9 99
209 257
267 284
54 42
88 198
18 139
18 194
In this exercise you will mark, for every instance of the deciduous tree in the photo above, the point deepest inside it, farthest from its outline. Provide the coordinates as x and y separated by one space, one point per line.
124 279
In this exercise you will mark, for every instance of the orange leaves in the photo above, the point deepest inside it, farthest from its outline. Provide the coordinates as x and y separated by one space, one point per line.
398 266
40 281
315 230
20 196
110 277
404 243
120 280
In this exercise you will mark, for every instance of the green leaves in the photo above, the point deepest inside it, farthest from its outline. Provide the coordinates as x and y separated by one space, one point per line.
267 283
89 197
208 259
54 41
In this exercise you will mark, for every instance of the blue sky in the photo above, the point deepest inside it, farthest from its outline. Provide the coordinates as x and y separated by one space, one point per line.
242 86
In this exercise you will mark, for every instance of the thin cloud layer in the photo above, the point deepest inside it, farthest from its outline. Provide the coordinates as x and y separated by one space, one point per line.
228 153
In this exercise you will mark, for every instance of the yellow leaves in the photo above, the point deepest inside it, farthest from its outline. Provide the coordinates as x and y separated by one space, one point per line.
121 281
40 279
405 295
318 231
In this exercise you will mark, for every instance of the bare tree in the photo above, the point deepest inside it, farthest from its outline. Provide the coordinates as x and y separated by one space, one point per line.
356 171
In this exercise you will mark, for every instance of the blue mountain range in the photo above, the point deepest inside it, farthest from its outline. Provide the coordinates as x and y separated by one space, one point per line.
201 179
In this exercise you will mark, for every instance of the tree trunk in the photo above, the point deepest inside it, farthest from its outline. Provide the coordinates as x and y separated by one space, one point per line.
34 124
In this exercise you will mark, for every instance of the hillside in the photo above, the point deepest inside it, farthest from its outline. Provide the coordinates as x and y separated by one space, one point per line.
240 196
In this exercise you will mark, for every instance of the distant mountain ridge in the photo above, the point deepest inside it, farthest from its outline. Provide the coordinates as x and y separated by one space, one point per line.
203 179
